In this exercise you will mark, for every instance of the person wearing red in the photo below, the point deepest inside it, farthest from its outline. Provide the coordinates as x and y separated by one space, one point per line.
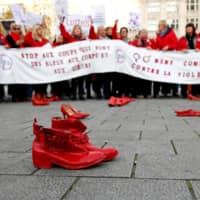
61 88
75 36
120 89
166 40
2 43
142 87
35 38
15 39
101 80
191 40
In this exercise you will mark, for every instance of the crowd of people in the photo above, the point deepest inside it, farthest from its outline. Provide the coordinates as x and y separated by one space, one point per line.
101 85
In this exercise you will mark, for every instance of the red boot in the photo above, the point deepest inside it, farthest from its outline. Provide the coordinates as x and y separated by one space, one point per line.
39 101
194 98
53 146
112 101
69 111
70 124
80 138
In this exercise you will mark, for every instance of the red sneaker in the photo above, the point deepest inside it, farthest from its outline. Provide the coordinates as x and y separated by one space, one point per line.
53 146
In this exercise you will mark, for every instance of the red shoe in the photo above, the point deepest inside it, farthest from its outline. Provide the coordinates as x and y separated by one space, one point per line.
39 102
194 98
70 124
112 101
54 98
78 137
182 111
53 146
191 113
122 101
130 99
68 111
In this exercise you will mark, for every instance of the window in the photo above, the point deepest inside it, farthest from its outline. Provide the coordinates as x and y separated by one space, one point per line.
153 7
195 21
152 25
192 5
171 6
175 24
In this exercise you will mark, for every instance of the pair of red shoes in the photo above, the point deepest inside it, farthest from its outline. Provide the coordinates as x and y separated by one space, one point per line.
67 145
194 98
187 113
39 101
119 101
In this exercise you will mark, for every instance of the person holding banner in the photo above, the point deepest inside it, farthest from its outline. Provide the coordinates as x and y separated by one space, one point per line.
15 39
191 40
75 36
142 41
2 43
36 38
166 40
102 80
122 89
58 89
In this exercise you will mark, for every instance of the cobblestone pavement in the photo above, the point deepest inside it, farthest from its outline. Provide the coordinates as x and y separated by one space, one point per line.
159 153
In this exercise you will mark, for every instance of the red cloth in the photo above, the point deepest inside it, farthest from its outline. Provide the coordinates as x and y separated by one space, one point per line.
30 42
114 33
92 33
137 43
15 36
67 36
183 44
169 39
2 39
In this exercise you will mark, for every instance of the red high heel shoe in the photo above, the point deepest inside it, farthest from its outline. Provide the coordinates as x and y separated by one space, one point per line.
53 146
69 111
39 101
53 98
70 124
112 101
190 113
182 111
122 101
78 137
194 98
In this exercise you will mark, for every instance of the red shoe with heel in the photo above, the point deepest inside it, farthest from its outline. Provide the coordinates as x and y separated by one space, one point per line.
69 111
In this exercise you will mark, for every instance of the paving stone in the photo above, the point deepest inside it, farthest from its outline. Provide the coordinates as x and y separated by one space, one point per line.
16 163
126 189
33 187
196 187
120 167
168 166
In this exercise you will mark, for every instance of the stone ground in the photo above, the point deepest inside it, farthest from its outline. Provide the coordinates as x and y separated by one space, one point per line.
159 153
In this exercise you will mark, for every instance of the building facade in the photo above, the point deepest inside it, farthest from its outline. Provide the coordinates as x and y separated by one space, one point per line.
176 12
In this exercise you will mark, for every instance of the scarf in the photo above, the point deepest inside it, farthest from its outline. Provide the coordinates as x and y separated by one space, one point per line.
191 40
